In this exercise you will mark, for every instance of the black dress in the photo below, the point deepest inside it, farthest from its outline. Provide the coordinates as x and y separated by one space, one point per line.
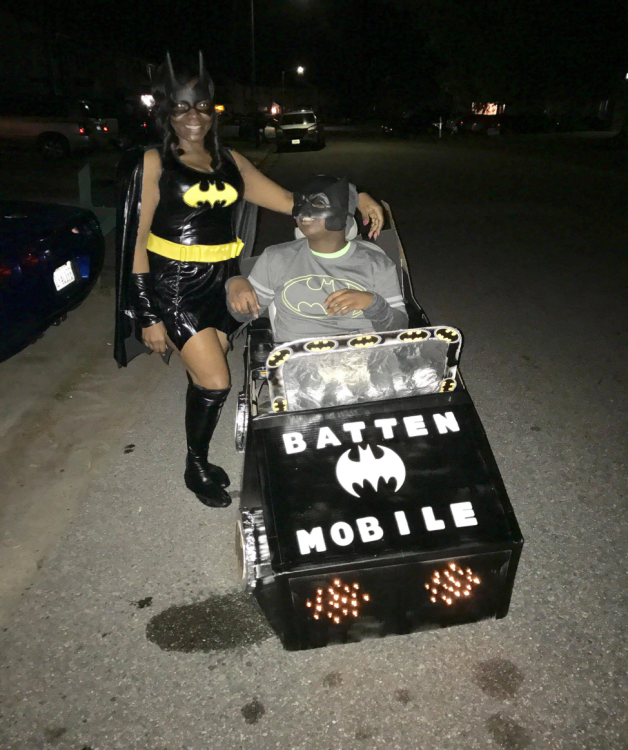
196 214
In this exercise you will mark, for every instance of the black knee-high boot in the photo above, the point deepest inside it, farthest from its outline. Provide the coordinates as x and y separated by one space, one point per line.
202 411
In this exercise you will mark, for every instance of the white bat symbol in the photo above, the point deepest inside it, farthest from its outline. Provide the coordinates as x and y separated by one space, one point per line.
370 469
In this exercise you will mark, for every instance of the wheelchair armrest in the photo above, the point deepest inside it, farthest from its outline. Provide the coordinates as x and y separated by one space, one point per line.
261 342
260 324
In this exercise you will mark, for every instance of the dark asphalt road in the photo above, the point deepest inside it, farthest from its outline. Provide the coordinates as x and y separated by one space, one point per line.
525 255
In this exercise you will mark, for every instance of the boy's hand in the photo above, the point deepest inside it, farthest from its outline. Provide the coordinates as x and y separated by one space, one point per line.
242 297
347 300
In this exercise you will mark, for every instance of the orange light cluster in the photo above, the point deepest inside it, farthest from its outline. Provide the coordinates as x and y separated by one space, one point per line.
451 584
338 602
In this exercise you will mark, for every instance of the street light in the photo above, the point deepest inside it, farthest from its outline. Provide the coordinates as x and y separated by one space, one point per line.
300 70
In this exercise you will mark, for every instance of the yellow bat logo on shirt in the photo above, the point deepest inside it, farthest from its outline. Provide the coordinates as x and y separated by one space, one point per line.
448 385
203 192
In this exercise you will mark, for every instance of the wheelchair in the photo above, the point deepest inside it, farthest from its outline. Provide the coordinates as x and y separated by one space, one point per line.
371 503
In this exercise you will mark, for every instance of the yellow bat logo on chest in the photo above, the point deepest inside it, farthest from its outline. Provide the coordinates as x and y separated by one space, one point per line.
203 192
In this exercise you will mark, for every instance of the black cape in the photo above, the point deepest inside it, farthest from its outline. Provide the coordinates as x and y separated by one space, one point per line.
130 171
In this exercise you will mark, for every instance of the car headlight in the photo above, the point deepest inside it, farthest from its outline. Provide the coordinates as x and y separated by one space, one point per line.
312 127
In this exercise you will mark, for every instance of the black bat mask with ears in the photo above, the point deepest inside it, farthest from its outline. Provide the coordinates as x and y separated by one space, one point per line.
324 198
186 92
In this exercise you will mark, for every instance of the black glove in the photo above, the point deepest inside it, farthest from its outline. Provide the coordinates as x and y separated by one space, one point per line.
140 299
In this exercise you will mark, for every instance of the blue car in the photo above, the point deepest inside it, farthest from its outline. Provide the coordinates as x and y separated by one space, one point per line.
50 258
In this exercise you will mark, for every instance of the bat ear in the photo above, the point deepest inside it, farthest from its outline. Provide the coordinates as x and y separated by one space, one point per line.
204 79
173 80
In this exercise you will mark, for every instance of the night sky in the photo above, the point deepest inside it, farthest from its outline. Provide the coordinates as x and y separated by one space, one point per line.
374 50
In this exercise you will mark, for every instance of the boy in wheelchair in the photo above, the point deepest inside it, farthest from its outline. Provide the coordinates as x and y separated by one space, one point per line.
337 415
326 282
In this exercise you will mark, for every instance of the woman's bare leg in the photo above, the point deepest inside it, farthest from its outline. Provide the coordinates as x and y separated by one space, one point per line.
204 358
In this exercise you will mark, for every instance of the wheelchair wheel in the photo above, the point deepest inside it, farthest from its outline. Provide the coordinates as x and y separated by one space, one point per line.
243 571
252 553
242 422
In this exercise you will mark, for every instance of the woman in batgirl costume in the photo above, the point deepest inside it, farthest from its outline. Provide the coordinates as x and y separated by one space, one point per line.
177 245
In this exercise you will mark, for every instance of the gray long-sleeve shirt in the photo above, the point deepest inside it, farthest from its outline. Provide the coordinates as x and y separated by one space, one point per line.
298 281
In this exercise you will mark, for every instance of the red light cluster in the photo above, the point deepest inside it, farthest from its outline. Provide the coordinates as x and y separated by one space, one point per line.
30 260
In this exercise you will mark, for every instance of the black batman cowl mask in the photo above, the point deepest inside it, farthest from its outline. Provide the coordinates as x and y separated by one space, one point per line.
325 198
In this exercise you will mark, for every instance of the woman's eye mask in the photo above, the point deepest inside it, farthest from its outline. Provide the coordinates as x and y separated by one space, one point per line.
182 108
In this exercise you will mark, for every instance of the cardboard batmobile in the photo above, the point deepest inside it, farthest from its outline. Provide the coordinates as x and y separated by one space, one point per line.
371 503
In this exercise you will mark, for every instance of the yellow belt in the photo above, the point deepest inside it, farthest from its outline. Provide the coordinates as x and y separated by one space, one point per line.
194 253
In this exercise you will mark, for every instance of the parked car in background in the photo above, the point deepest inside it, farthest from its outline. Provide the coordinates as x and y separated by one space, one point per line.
56 126
452 124
270 129
299 128
103 116
423 122
50 258
392 127
526 123
480 124
235 126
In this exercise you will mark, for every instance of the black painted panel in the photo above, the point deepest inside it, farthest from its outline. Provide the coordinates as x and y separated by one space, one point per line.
395 599
427 482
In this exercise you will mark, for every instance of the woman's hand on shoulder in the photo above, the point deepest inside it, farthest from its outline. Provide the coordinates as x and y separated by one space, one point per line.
242 297
373 212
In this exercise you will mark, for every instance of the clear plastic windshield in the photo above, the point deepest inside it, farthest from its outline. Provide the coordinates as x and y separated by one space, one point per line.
375 374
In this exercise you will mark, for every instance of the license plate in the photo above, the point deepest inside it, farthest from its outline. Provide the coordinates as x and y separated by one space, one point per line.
63 276
296 140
